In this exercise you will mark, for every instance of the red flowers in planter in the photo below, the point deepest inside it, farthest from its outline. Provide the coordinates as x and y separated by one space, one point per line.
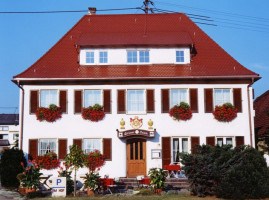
47 161
93 113
50 114
94 160
181 112
225 113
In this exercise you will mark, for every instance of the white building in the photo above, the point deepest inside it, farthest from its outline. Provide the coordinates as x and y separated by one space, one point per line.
137 66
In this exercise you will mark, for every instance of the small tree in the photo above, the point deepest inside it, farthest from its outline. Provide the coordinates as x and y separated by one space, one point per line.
75 160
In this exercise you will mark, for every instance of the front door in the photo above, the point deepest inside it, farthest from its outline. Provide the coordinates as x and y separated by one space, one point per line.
136 157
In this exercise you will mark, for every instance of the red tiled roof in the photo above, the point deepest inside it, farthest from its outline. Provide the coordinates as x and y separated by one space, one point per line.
61 61
261 106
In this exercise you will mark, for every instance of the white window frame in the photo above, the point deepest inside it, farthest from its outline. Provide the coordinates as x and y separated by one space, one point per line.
2 128
99 57
170 99
94 57
39 145
58 99
184 56
180 138
138 56
231 96
139 51
225 140
144 100
84 143
102 96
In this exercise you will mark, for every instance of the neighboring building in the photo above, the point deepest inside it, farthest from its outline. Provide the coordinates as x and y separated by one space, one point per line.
9 130
138 66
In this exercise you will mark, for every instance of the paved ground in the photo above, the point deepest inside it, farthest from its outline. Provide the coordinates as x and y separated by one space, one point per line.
12 195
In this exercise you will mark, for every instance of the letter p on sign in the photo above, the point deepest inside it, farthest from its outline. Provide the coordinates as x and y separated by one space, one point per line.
58 181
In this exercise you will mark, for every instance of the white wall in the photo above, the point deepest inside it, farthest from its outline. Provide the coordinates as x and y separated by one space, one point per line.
73 126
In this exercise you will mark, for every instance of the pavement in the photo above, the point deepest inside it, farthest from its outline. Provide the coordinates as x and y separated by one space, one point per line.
9 194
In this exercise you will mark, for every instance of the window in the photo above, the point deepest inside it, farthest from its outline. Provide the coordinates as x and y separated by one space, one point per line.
179 145
90 145
3 128
15 136
224 141
222 96
90 57
131 56
135 101
92 97
177 96
4 136
144 56
46 146
179 56
48 97
102 57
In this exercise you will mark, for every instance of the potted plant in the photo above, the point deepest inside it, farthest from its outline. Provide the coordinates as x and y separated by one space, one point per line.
157 179
181 111
50 114
92 182
225 113
48 161
93 113
65 172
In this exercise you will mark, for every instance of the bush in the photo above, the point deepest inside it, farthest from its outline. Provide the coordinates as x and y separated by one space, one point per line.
11 166
144 191
237 173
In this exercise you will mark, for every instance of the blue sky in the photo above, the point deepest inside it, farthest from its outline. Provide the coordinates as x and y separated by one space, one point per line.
243 31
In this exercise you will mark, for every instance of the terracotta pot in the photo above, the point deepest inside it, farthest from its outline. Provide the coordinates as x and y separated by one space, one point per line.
158 191
28 190
22 190
89 191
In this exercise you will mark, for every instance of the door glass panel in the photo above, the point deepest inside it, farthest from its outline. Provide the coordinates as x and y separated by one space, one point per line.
185 145
220 141
141 150
229 141
131 151
175 148
136 150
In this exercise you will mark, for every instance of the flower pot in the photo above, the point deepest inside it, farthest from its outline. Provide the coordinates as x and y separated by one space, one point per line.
22 190
158 191
89 192
28 190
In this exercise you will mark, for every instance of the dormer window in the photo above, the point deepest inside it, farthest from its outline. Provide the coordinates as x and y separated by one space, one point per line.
131 56
90 57
144 56
180 56
103 57
141 56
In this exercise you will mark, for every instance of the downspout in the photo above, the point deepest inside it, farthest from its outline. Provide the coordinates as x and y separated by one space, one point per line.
22 113
249 114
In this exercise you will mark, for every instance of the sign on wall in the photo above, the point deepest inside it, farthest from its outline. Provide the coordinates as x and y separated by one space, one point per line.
58 186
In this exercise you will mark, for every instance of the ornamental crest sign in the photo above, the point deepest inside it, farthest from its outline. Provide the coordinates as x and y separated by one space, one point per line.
136 123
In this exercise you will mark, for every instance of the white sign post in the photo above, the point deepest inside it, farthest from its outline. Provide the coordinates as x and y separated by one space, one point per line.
58 186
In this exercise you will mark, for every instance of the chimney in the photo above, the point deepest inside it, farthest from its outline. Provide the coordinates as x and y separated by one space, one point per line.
92 10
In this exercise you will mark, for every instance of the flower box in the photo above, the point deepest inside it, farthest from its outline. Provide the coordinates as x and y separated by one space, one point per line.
50 114
181 111
93 113
48 161
225 113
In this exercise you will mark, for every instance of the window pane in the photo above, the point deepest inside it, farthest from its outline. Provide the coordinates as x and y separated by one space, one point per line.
222 96
144 56
132 56
48 97
177 96
103 57
5 137
89 57
92 97
135 101
220 141
185 145
179 56
175 148
141 150
131 151
90 145
229 141
136 150
5 128
47 145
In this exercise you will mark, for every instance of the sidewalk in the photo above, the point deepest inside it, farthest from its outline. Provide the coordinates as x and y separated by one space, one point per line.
7 194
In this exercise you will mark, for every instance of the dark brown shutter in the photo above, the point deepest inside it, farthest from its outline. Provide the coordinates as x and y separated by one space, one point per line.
194 141
150 101
194 100
253 93
121 101
238 99
33 148
78 142
208 100
63 100
239 140
107 101
165 100
62 148
166 150
78 101
210 141
107 148
34 100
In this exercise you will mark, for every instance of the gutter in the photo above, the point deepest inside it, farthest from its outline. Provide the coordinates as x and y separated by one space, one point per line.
249 113
22 113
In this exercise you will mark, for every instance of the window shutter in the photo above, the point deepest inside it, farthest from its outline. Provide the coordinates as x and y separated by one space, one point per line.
121 102
210 141
194 141
78 101
194 100
208 100
107 148
165 100
107 101
33 147
78 142
63 100
33 101
239 140
150 101
237 99
166 150
62 148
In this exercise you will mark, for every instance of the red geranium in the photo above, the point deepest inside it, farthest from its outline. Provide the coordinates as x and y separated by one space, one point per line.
93 113
94 160
181 112
225 113
50 114
47 161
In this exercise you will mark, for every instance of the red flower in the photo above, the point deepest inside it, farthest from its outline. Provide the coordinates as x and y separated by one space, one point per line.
181 112
225 113
47 161
93 113
50 114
